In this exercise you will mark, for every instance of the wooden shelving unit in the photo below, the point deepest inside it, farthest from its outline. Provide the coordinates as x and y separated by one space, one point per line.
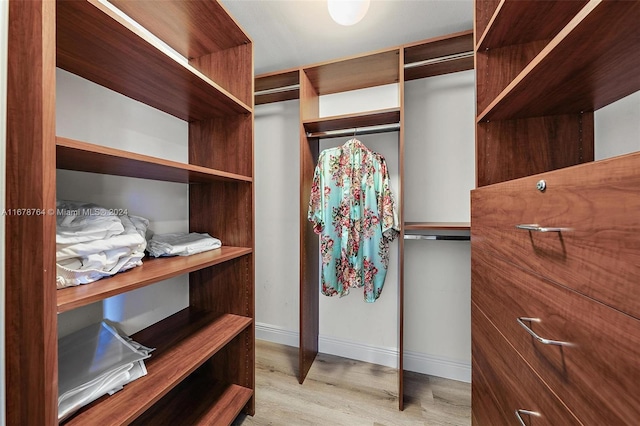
209 347
542 69
437 56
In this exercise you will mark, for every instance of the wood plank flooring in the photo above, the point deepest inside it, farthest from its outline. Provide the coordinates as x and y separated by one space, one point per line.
340 391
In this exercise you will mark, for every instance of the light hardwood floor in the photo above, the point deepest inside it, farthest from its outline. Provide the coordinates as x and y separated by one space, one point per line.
340 391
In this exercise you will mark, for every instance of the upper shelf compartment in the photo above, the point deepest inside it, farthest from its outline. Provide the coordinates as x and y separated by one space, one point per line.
593 61
523 21
359 72
440 55
96 43
322 127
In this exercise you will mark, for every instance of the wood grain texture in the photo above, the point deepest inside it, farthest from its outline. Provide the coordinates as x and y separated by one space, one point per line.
224 143
515 148
432 70
309 250
515 386
275 80
286 95
357 72
192 28
151 272
536 20
590 70
486 411
218 404
400 208
231 68
183 342
86 157
484 10
602 359
346 392
599 256
356 120
94 43
31 345
438 47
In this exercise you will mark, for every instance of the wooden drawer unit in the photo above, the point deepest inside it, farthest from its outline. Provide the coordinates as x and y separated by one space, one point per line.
485 408
601 355
596 206
516 388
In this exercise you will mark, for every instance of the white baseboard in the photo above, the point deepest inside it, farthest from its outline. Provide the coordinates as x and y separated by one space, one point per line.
413 361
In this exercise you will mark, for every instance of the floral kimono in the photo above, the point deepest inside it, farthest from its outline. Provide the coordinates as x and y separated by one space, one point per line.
353 211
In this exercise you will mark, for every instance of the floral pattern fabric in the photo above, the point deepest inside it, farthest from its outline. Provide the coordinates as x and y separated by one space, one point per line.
353 211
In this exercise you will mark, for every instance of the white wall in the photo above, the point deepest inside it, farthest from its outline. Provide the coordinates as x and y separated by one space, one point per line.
4 24
91 113
617 128
439 172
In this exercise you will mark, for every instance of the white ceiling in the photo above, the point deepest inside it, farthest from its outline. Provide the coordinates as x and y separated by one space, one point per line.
291 33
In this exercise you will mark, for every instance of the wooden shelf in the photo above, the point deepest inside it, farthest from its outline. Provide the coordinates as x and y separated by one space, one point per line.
97 44
537 20
450 226
357 72
85 157
179 24
434 56
348 121
183 342
588 71
217 404
151 271
284 84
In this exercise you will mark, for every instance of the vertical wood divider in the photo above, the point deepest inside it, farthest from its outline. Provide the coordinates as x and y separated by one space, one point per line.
400 202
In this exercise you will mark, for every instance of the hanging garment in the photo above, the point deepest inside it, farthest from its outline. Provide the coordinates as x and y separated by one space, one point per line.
353 211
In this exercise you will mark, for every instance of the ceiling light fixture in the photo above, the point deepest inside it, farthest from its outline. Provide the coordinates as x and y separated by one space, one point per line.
348 12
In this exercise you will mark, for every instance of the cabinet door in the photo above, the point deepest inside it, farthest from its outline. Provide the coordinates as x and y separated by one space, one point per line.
600 358
595 206
517 389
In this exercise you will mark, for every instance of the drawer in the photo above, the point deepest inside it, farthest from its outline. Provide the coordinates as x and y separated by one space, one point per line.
513 384
598 205
485 410
598 374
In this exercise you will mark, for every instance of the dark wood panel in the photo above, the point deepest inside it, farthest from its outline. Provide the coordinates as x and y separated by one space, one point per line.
96 44
86 157
536 20
348 121
515 386
277 80
209 404
602 359
484 12
31 350
309 250
599 253
358 72
231 68
456 226
197 337
287 95
151 271
515 148
224 143
589 70
182 25
485 410
497 68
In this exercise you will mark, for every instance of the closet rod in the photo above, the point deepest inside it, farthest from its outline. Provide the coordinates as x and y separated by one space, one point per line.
437 237
277 90
441 59
355 131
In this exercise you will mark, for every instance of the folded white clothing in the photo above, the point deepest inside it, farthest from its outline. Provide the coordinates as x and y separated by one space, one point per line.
132 237
181 244
71 272
78 222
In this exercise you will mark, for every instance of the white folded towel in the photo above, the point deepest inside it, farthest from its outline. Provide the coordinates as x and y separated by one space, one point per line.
181 244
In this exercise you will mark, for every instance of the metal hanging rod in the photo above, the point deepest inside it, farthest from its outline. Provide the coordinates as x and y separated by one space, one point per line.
387 128
437 237
439 60
277 90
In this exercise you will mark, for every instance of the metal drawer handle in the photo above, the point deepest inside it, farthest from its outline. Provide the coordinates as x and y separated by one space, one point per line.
528 413
538 338
537 228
